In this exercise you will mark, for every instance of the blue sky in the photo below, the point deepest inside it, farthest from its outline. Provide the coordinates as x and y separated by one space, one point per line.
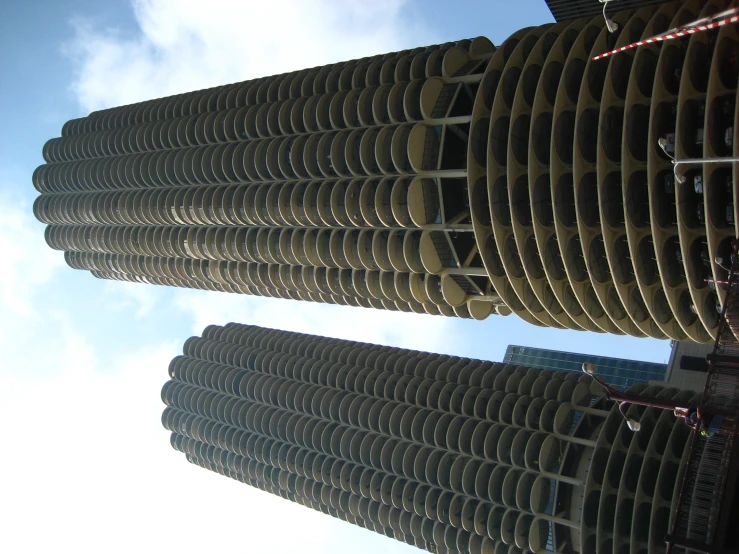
87 466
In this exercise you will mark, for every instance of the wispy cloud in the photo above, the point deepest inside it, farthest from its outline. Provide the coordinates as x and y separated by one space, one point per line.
27 261
127 297
187 45
91 463
422 332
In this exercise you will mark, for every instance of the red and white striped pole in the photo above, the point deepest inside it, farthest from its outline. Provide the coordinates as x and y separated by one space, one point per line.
690 29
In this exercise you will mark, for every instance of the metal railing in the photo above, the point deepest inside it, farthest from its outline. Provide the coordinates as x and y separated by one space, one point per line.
700 505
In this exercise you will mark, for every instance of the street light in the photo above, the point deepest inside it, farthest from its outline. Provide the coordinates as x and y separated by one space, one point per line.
720 262
612 394
676 163
707 423
610 24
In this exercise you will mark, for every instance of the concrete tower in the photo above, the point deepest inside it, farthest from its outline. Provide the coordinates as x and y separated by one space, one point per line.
457 179
448 454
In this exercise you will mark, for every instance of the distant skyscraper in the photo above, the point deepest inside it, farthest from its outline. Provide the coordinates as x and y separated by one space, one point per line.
615 371
687 367
457 179
449 454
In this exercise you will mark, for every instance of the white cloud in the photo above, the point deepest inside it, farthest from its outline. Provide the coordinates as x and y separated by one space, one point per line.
188 45
29 267
89 464
422 332
101 475
125 296
27 261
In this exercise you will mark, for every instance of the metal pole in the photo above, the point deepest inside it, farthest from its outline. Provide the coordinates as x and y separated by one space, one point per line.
651 402
692 161
706 160
647 401
705 24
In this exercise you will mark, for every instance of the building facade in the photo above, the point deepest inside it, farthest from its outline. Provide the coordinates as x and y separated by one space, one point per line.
687 368
614 371
449 454
459 179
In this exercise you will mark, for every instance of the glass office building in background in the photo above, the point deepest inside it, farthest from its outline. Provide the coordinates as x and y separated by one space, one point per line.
616 371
